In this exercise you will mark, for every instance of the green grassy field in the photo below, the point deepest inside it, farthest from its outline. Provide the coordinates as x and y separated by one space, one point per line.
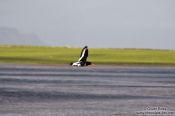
63 55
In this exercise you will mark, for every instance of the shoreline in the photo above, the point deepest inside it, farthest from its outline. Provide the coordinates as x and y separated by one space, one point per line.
97 65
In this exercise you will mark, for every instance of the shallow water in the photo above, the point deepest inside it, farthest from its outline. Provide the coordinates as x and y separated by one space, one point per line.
84 91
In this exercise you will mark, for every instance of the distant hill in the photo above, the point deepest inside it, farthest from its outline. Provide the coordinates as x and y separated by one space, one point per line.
12 36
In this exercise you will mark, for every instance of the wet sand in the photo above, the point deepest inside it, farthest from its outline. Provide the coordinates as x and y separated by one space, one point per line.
86 91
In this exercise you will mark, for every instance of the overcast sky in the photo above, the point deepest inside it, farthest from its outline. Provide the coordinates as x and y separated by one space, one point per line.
96 23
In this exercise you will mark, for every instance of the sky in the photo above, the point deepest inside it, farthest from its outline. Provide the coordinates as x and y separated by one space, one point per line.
96 23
